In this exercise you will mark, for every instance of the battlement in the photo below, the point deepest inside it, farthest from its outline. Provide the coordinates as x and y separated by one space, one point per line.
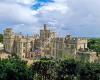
23 45
59 39
8 29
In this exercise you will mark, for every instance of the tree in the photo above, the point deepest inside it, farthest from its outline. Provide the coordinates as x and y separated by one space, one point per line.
94 44
14 69
44 69
67 69
1 38
90 71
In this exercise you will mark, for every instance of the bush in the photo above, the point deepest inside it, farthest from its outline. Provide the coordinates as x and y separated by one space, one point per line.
14 69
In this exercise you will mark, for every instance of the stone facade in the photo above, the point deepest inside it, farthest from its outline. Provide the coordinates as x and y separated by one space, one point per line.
1 46
47 43
8 40
85 56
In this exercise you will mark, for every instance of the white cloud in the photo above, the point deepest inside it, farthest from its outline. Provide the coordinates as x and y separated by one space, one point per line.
15 13
78 16
55 14
26 2
66 16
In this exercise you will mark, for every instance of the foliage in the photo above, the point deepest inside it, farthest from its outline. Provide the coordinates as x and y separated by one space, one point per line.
44 69
67 69
1 38
14 69
94 44
48 69
90 71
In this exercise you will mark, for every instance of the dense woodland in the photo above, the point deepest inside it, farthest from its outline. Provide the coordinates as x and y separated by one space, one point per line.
48 69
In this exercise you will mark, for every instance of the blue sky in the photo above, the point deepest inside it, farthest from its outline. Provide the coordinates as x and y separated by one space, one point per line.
76 17
41 3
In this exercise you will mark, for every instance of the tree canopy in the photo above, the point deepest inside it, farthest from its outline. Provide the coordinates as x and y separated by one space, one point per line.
48 69
14 69
94 44
1 38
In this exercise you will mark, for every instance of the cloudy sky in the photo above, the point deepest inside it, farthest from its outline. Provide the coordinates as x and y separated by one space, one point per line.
76 17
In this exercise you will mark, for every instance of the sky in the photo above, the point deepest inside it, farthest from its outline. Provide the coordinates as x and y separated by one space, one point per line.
75 17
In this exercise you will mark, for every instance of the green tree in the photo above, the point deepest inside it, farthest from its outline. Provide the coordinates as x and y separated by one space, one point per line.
94 44
1 38
90 71
67 70
44 69
14 69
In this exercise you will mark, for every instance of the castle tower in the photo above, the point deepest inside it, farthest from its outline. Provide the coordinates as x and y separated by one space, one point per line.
45 33
8 40
45 27
46 37
81 43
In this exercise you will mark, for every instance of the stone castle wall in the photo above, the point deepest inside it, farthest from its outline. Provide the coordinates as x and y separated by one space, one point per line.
49 44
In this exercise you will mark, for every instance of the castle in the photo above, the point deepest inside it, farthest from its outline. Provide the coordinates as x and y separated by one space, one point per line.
47 44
